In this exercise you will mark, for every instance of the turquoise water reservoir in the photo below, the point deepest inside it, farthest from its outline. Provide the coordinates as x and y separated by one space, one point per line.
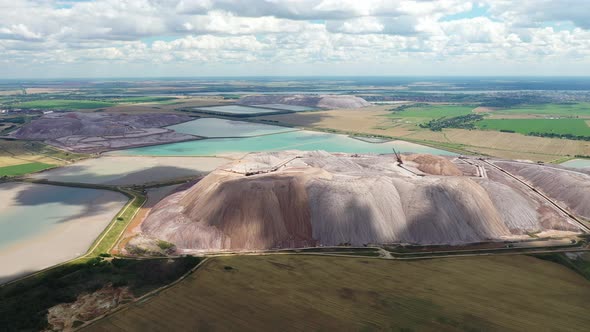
235 109
299 140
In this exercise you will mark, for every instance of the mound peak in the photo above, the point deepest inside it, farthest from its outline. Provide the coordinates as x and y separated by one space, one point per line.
316 101
300 199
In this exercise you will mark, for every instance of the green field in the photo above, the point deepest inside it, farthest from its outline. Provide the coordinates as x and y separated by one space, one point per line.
425 113
577 109
23 169
315 293
576 127
64 104
145 99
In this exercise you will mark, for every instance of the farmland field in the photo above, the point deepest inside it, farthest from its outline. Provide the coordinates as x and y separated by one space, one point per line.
429 112
311 293
577 109
576 127
64 104
23 169
143 99
378 121
23 152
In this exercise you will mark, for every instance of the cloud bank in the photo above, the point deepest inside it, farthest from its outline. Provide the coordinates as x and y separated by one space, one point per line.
226 37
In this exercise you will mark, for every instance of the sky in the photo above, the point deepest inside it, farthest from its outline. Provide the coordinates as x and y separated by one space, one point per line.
152 38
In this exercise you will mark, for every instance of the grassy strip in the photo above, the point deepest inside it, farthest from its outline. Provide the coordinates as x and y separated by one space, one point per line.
514 250
561 160
105 242
451 147
143 99
360 253
347 251
22 169
64 104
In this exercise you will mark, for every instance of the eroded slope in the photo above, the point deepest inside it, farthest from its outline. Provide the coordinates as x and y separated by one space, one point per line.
95 132
316 198
316 101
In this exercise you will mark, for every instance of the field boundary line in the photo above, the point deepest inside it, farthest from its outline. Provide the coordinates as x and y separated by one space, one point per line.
144 296
120 237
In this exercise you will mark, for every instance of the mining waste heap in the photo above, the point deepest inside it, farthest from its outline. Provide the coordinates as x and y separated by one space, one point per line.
303 199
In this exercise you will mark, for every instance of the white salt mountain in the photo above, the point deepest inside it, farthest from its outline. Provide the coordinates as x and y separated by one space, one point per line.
314 101
300 199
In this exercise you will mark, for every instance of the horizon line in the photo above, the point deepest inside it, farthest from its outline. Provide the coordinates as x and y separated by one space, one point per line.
288 76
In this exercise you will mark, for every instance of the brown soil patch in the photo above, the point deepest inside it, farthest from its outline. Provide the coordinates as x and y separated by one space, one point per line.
435 165
507 145
483 109
67 316
10 92
48 90
368 120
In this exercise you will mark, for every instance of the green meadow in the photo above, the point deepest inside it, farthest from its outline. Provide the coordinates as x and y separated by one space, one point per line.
526 126
22 169
574 109
64 104
143 99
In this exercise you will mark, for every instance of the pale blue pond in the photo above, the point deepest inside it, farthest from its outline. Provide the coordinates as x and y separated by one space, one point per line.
43 225
235 109
32 209
299 140
213 127
577 163
285 107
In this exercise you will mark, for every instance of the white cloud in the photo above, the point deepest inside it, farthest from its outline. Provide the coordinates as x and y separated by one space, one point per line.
327 32
534 13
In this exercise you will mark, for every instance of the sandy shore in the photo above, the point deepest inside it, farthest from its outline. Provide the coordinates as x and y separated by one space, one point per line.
61 241
123 170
